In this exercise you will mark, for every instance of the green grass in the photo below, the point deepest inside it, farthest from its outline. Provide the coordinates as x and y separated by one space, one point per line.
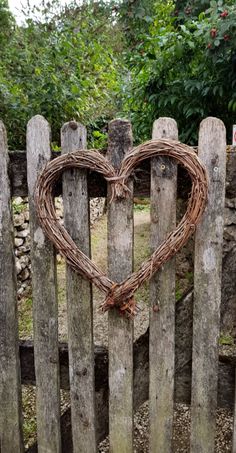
142 207
178 292
190 277
25 318
29 411
18 208
226 340
61 282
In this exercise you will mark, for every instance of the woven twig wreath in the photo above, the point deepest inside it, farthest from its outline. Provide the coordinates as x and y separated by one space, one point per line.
121 295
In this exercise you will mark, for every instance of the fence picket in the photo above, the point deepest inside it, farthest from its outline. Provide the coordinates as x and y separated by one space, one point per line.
10 392
120 264
207 289
79 299
234 422
206 313
162 296
44 300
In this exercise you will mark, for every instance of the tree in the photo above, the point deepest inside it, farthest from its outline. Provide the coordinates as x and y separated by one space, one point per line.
173 58
7 22
184 68
64 66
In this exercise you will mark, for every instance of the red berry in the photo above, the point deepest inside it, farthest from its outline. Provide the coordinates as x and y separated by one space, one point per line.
226 37
224 14
213 32
209 46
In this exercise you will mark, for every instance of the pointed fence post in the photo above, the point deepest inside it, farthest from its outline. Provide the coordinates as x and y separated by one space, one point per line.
11 439
79 298
234 423
207 289
44 285
120 265
162 296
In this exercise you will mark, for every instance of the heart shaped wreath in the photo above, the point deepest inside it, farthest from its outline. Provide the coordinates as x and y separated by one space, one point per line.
121 294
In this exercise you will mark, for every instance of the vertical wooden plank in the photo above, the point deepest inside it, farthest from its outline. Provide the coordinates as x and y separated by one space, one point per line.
234 424
44 285
79 299
10 390
207 289
120 265
162 296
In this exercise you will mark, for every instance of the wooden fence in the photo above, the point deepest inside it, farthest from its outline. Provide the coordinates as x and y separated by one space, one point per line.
153 366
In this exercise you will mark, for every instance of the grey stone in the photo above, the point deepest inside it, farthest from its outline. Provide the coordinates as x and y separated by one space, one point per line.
24 261
230 202
18 242
24 274
18 252
24 248
18 200
230 234
24 226
19 219
18 266
22 234
228 300
231 175
26 214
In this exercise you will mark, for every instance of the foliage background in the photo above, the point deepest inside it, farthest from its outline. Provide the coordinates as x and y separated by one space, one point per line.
135 58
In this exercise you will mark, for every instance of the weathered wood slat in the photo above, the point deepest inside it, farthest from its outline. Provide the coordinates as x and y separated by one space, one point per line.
79 299
120 265
207 289
10 393
162 296
45 317
234 424
141 369
141 378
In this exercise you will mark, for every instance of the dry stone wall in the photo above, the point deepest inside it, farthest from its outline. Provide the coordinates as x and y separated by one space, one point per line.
22 245
22 237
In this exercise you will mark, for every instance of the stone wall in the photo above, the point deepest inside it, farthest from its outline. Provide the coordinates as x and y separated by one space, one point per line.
22 237
22 245
185 265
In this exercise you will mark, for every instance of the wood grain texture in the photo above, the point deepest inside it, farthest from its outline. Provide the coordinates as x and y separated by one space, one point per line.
120 265
79 299
44 287
141 383
162 296
141 371
234 425
207 289
10 391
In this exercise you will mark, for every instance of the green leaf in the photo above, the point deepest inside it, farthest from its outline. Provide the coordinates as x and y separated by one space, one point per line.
75 89
191 44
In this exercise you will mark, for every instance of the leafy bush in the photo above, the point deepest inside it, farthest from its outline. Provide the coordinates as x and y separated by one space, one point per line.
184 67
63 66
168 58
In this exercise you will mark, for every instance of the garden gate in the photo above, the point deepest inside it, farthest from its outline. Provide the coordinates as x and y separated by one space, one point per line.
135 372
